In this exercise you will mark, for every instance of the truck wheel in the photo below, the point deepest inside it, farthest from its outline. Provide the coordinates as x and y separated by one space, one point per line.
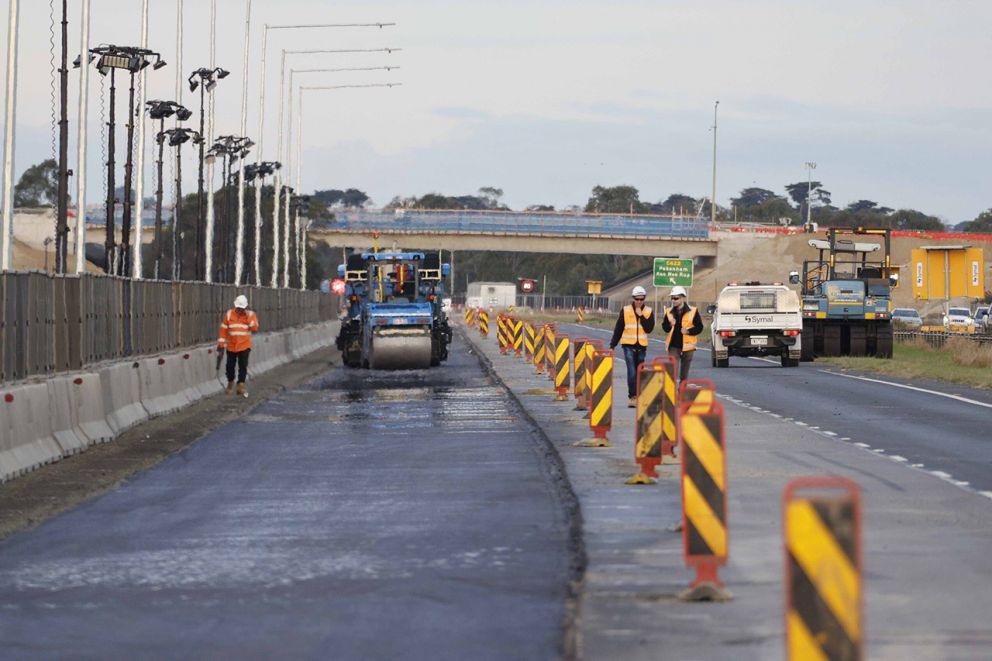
806 350
789 362
884 341
723 362
712 357
859 341
831 340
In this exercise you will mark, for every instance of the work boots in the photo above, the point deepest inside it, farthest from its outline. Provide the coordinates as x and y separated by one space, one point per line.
230 387
242 390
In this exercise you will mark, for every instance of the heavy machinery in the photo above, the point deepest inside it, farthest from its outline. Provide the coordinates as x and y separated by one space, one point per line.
394 317
846 295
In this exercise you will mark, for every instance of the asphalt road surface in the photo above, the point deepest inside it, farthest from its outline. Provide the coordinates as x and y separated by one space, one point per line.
937 427
365 515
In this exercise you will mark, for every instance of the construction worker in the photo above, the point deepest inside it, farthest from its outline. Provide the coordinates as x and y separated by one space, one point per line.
631 331
683 323
235 337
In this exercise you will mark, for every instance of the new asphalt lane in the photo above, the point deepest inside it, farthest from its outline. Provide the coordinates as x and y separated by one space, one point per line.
365 515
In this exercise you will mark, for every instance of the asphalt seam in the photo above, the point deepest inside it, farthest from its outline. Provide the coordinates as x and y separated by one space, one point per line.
558 475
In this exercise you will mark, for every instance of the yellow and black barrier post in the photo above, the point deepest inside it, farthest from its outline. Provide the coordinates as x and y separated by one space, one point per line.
501 334
579 316
562 368
601 406
549 350
540 344
468 316
651 417
529 337
704 501
518 337
483 323
696 395
579 365
823 569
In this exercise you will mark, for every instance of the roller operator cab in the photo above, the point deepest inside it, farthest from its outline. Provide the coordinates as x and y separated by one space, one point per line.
394 317
847 295
752 319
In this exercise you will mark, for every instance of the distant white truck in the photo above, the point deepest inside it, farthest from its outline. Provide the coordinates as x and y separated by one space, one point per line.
753 319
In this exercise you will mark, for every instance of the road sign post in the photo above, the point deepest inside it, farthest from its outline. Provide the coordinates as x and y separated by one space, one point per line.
670 272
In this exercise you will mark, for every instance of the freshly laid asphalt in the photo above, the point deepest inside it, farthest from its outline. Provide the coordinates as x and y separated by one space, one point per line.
409 515
926 535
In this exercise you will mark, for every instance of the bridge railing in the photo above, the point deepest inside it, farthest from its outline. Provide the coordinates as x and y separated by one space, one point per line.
520 222
51 324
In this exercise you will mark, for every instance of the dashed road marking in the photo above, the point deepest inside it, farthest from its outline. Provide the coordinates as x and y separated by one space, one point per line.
904 386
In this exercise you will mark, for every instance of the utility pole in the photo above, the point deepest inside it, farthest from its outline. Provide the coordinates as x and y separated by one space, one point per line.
239 257
208 238
137 267
62 213
810 166
716 105
108 242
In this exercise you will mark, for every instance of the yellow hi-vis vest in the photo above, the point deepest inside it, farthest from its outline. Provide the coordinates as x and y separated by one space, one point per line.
688 341
632 331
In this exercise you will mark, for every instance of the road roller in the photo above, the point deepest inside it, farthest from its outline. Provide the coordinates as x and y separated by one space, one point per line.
394 318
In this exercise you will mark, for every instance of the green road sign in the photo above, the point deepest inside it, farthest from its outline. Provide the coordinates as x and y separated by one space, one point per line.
672 272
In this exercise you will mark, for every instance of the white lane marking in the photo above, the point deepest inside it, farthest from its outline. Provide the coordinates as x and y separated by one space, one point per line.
845 438
830 433
941 474
898 458
862 445
948 395
987 494
801 424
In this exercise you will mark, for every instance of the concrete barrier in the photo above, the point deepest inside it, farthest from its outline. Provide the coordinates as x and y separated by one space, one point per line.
26 440
62 412
121 387
44 421
90 411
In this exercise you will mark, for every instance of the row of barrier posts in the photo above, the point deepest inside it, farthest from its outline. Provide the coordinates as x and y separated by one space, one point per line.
821 515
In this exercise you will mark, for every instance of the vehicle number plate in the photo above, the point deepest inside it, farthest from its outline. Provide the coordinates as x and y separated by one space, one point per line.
759 341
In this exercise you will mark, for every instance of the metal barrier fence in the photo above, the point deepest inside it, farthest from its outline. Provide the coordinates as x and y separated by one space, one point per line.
534 302
522 222
937 339
52 323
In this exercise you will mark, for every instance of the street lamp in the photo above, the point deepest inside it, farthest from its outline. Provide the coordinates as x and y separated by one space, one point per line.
162 110
230 148
261 116
299 205
286 156
810 166
206 80
257 172
132 60
299 142
177 137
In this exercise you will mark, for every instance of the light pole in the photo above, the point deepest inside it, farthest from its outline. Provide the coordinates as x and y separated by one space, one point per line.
716 106
261 119
7 224
139 188
810 166
240 238
62 212
84 83
286 156
256 172
162 110
132 60
177 138
298 169
231 148
206 80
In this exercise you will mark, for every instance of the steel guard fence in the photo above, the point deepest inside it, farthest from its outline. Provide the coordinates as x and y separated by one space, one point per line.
51 323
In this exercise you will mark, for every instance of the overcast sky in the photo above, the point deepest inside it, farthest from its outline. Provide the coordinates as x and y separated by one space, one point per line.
546 99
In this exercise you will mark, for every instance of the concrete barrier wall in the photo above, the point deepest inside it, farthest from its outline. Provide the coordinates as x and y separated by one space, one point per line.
44 421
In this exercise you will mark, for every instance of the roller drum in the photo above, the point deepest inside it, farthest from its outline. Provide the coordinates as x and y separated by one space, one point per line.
400 349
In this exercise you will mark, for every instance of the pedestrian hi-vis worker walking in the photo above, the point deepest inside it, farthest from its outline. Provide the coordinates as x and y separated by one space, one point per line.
631 332
235 337
683 324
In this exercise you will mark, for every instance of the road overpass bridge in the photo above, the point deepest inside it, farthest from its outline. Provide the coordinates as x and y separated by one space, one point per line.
513 231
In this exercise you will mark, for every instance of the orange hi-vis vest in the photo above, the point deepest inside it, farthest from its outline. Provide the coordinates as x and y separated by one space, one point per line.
236 330
688 341
632 331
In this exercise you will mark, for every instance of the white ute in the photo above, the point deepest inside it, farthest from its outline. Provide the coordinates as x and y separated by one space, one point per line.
756 320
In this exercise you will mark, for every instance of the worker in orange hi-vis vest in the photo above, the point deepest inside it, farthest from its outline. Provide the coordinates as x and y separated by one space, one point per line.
235 337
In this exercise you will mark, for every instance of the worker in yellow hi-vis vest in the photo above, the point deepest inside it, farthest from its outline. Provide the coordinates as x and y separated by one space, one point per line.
683 324
633 325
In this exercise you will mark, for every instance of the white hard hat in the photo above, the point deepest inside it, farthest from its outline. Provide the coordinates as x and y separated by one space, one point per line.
678 291
241 301
638 291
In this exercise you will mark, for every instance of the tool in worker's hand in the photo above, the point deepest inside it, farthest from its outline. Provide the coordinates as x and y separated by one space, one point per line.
220 357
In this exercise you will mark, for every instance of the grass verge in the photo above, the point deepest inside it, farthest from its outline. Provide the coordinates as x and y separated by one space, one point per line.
955 363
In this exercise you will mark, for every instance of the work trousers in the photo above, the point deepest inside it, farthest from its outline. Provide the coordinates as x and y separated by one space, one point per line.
241 360
633 355
683 359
